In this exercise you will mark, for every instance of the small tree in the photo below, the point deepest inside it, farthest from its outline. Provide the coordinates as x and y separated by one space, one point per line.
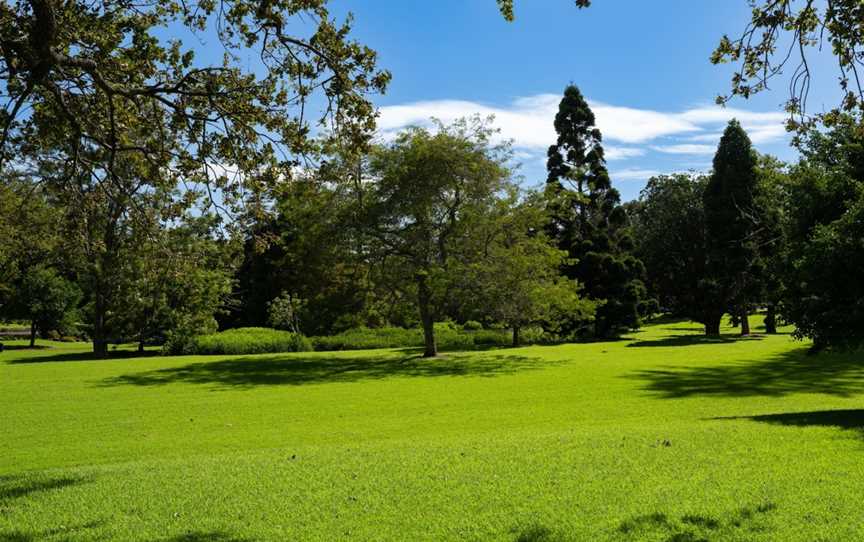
425 189
284 311
516 278
48 301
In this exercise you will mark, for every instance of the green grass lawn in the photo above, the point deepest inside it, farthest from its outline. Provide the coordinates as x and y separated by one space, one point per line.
665 436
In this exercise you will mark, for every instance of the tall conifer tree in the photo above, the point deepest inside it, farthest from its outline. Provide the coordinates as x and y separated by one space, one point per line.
588 220
732 250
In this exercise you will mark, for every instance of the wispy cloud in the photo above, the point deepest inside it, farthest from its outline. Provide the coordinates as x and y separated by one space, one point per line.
527 122
634 174
685 148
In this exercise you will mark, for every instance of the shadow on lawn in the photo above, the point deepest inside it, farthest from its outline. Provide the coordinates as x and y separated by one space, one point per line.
698 527
851 419
82 356
280 370
16 487
834 373
691 339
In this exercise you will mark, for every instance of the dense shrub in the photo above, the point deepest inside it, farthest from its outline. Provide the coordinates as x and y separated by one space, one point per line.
245 340
447 335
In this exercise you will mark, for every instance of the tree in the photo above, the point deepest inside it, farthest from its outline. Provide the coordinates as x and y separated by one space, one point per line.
424 189
669 224
823 223
515 277
284 312
781 33
124 125
29 232
99 80
175 281
589 222
310 248
731 245
48 301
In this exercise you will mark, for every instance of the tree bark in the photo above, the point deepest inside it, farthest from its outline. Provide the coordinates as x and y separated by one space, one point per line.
771 319
424 299
32 334
712 325
745 322
516 339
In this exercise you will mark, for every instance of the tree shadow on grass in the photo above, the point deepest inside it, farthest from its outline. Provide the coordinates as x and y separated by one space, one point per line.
13 488
691 339
834 373
277 370
699 527
850 419
18 486
83 356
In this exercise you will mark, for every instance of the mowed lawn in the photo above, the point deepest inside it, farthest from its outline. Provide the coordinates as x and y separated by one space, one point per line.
665 436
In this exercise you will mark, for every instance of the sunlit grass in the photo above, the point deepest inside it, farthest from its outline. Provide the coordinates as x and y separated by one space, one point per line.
666 436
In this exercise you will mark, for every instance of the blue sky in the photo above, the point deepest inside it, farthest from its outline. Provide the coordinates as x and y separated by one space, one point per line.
642 64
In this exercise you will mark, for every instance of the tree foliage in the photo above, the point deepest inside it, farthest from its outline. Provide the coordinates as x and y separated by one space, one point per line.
588 221
784 34
730 216
426 189
825 252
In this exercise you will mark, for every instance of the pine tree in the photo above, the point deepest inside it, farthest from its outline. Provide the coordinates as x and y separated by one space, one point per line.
732 251
588 221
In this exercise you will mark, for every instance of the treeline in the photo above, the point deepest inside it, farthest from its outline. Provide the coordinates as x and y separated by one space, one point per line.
432 226
760 233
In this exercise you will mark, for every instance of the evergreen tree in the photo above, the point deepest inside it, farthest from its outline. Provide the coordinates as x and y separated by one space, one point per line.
732 277
589 222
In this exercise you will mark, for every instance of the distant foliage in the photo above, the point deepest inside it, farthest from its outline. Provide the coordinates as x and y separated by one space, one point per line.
247 340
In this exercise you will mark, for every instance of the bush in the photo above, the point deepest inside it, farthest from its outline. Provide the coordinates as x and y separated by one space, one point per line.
447 335
247 340
472 325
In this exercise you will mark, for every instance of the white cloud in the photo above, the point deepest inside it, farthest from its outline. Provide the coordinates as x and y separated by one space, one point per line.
685 148
527 121
622 153
633 174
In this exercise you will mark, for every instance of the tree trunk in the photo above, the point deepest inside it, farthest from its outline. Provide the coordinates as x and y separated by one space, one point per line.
712 325
141 346
100 341
771 319
32 334
516 339
424 299
745 322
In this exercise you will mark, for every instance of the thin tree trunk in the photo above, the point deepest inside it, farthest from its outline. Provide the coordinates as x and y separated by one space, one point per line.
712 325
100 342
771 319
745 322
32 334
516 338
424 298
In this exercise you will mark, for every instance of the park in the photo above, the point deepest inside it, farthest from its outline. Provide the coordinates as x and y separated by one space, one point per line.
515 271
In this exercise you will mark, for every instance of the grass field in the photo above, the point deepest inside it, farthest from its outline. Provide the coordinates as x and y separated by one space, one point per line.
665 436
